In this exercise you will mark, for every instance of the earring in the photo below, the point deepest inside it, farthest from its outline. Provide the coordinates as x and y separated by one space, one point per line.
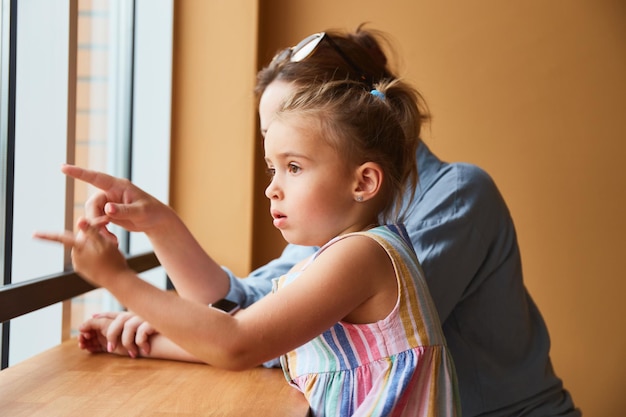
359 198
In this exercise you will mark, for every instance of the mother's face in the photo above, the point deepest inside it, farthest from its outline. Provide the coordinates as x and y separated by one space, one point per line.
271 100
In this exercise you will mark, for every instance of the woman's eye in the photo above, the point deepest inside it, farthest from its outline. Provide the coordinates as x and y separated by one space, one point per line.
270 172
294 169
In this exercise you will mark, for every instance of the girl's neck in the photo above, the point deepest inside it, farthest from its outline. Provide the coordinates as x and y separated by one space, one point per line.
360 228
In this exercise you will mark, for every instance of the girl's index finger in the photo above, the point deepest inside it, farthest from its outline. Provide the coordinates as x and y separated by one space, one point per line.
99 180
67 238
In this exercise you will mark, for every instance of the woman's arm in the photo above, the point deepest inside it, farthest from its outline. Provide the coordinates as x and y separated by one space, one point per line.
259 283
194 273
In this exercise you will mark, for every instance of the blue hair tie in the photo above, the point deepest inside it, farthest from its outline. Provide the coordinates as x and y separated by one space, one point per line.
377 94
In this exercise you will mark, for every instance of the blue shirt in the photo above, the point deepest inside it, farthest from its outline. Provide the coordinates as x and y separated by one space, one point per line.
465 240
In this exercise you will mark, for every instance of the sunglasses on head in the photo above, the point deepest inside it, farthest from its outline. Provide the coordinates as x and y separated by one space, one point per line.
307 46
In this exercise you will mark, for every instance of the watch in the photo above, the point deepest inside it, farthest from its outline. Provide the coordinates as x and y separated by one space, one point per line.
227 306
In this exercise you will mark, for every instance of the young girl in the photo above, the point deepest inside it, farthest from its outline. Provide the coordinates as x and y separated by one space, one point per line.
355 323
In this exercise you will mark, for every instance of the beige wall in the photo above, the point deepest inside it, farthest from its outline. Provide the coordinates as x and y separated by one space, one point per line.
531 91
213 123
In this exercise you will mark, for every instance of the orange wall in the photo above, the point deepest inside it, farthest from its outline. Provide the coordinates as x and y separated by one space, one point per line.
531 91
213 123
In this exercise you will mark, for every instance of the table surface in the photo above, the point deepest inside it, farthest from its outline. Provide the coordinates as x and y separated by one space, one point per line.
65 381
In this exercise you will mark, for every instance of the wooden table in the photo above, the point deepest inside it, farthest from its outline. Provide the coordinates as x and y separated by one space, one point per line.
65 381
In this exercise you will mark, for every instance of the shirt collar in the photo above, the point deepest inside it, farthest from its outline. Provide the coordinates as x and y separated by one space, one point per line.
428 165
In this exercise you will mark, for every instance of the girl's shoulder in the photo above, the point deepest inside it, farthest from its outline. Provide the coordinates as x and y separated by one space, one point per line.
370 246
390 232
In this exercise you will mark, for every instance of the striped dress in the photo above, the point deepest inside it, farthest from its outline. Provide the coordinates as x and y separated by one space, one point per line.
398 366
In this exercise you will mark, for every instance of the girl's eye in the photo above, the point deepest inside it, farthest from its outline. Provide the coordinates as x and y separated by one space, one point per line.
294 169
270 172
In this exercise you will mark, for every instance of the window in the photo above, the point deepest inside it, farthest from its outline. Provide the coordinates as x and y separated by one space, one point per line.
86 82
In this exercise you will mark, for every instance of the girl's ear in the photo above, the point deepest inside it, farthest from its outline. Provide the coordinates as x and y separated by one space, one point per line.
369 180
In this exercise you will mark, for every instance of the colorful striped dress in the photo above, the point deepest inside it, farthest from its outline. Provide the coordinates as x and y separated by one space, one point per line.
399 366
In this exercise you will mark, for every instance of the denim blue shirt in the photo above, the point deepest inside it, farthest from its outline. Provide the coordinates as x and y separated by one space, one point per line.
465 240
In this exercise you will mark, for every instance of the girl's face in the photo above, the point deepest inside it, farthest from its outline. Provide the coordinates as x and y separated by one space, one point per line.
312 187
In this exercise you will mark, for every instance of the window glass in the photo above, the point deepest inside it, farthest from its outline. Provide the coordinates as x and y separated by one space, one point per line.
124 51
97 78
42 116
77 100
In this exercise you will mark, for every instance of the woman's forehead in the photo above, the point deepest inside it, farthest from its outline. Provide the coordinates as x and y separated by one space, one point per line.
271 100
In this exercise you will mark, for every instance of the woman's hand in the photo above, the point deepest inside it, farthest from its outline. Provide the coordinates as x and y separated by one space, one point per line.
118 201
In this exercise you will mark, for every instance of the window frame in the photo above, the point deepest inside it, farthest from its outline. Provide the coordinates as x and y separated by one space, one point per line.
21 298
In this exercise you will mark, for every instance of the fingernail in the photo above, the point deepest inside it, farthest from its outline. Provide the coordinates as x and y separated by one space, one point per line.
109 347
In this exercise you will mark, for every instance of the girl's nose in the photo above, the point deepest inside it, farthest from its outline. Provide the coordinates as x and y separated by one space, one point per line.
273 190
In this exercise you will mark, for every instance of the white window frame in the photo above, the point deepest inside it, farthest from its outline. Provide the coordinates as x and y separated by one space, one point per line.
43 112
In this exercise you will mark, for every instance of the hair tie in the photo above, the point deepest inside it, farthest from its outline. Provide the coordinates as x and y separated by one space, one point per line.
378 94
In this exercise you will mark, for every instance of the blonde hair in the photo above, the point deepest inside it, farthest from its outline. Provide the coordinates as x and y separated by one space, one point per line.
366 125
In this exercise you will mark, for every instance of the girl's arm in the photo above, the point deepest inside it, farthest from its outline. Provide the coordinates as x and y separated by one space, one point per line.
164 348
353 279
95 337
